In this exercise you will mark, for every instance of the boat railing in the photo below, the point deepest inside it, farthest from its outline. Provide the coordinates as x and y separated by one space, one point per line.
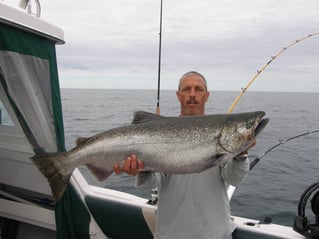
28 6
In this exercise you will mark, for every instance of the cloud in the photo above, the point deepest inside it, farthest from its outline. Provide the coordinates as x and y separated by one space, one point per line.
225 40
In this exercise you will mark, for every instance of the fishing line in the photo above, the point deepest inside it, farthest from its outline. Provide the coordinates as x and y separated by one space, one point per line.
265 66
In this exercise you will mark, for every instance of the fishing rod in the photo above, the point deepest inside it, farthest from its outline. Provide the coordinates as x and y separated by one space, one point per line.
253 163
265 66
231 189
281 141
159 62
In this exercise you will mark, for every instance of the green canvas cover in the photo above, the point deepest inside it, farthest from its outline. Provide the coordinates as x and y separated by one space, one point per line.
30 81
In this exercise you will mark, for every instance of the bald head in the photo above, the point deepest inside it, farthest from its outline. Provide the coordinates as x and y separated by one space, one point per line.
189 74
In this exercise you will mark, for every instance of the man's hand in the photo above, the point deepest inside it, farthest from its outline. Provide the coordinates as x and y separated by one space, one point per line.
243 155
131 166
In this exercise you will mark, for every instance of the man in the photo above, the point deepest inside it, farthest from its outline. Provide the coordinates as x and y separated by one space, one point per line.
193 205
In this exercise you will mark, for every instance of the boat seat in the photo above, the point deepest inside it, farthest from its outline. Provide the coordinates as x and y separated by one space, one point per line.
118 219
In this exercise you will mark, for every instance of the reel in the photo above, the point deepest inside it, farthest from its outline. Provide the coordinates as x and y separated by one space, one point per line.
301 224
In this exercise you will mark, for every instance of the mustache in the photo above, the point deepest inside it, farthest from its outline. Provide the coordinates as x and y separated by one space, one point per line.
192 100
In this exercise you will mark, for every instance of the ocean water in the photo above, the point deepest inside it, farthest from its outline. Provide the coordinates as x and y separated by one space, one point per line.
272 188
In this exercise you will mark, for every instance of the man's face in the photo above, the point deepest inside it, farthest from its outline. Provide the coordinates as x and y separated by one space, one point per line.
192 95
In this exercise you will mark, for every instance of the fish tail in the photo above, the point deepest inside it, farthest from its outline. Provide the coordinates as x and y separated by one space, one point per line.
46 164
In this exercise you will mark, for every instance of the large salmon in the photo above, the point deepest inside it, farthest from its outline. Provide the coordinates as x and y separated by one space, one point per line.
188 144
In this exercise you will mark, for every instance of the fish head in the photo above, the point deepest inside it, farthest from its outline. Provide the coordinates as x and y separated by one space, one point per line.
240 131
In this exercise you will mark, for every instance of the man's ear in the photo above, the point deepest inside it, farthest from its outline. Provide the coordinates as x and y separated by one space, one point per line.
178 96
207 96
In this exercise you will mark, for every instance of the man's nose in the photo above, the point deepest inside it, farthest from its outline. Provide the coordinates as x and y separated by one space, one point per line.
192 92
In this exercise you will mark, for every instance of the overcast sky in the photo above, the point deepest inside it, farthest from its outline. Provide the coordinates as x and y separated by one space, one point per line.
114 44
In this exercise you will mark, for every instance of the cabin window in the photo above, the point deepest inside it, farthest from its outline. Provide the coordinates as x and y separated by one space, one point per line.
4 116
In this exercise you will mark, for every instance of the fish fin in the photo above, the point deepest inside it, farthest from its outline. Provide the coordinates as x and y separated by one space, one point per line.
142 177
58 182
80 140
143 117
222 160
99 172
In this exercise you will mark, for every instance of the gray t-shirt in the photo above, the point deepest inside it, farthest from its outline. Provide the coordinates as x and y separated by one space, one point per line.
196 205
